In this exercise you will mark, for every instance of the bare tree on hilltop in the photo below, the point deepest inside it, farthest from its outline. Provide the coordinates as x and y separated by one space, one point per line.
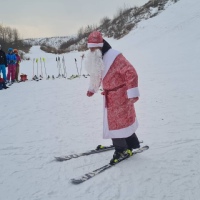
9 37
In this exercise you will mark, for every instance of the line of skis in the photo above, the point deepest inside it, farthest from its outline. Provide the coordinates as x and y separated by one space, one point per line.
61 67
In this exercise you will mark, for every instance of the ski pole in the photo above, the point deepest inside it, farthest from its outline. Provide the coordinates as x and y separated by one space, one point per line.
33 67
82 57
76 66
60 68
41 66
64 67
37 66
43 59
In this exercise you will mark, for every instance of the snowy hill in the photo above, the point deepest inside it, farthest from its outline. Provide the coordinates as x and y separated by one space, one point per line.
51 41
40 120
122 23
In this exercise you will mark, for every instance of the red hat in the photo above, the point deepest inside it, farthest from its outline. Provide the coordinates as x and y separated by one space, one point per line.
95 39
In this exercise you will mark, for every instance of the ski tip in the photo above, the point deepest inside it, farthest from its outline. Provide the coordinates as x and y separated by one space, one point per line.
76 181
62 158
58 159
145 147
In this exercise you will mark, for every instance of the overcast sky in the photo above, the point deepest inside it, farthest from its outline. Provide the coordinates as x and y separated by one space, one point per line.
48 18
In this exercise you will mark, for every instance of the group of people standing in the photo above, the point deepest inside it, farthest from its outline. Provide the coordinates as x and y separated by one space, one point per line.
11 61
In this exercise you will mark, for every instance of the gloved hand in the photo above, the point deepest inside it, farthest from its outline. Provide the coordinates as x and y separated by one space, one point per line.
89 94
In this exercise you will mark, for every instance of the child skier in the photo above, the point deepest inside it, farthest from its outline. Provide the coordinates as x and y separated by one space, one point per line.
18 60
11 61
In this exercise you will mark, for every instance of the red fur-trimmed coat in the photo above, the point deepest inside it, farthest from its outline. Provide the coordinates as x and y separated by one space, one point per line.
120 85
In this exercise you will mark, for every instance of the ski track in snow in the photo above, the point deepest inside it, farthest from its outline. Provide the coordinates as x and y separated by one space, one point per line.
40 120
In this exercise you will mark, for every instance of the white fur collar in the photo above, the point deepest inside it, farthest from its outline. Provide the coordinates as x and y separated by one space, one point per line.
108 60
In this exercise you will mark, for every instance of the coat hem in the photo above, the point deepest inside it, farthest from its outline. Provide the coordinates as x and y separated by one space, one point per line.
120 133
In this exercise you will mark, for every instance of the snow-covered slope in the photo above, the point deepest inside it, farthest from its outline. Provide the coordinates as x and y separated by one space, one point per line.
52 41
40 120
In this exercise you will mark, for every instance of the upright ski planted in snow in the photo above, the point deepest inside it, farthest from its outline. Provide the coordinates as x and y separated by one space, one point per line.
89 175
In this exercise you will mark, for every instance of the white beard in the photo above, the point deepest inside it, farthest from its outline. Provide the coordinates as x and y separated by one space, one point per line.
94 66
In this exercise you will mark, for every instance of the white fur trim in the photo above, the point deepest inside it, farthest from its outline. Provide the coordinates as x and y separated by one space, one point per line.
90 45
108 60
133 92
121 133
91 89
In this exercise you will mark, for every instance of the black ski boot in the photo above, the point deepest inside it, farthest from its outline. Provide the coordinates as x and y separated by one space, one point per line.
120 155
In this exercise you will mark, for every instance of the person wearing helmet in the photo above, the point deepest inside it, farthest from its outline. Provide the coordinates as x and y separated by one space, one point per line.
18 60
11 61
3 63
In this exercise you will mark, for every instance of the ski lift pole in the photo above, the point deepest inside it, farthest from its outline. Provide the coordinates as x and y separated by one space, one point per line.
76 66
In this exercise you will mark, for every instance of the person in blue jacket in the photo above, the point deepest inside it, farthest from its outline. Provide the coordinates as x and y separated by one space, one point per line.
11 62
3 63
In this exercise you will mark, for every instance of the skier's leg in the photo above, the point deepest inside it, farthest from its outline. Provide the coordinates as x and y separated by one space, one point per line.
3 69
133 142
119 144
121 150
17 73
13 73
9 72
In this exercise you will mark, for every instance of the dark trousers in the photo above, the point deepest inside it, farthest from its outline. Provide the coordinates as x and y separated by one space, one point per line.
122 144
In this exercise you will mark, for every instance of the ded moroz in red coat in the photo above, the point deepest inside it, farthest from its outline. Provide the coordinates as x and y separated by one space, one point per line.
120 84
